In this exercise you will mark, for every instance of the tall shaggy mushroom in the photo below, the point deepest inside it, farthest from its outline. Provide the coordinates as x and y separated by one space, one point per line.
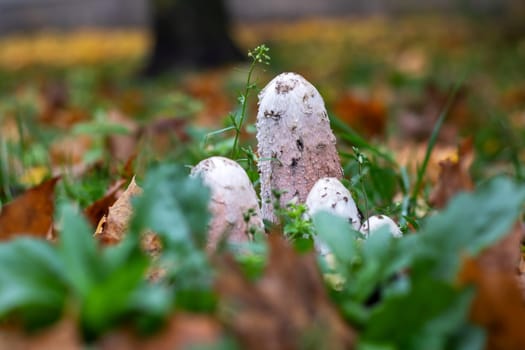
233 204
295 143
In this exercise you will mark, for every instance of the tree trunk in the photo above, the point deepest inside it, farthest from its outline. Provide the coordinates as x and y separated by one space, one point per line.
190 33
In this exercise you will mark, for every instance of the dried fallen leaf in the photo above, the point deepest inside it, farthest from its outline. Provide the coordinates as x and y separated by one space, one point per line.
454 175
99 208
152 245
53 99
183 331
514 97
286 307
159 135
130 101
411 155
412 62
128 170
119 214
498 305
64 118
365 114
418 120
505 255
70 150
31 213
163 134
208 87
61 336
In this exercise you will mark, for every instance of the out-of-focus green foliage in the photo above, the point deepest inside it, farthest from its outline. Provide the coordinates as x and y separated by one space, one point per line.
419 304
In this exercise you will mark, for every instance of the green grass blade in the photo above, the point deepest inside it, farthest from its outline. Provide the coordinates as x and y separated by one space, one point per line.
350 135
433 139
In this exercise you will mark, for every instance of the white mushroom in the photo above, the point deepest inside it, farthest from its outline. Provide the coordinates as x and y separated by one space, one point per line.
234 207
329 194
295 143
375 222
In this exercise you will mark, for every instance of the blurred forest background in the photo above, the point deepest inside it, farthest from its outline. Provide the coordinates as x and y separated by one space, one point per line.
385 69
20 15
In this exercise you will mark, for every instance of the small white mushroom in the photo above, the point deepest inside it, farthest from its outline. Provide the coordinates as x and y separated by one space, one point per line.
233 204
295 143
329 194
375 222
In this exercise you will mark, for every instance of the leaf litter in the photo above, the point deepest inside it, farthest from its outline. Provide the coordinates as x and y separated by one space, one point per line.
112 226
286 308
31 213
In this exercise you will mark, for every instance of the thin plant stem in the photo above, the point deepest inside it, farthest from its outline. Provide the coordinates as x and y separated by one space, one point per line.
244 103
367 213
4 167
258 55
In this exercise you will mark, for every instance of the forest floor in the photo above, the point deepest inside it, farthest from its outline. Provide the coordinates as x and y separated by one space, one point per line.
422 107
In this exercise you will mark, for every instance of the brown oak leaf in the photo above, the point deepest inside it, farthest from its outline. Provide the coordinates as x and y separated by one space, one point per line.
366 114
31 213
454 176
99 208
498 304
115 223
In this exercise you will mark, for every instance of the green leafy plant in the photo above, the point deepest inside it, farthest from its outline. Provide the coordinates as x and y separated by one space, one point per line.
297 226
73 277
175 207
35 296
106 286
418 305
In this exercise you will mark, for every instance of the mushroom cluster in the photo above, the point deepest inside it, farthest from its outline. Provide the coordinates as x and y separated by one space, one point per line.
298 163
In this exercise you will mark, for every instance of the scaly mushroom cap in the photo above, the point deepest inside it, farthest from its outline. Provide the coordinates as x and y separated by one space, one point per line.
295 143
377 221
232 198
329 194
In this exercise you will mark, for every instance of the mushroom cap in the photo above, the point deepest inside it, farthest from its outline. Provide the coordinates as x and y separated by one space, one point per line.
329 194
291 93
232 197
377 221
